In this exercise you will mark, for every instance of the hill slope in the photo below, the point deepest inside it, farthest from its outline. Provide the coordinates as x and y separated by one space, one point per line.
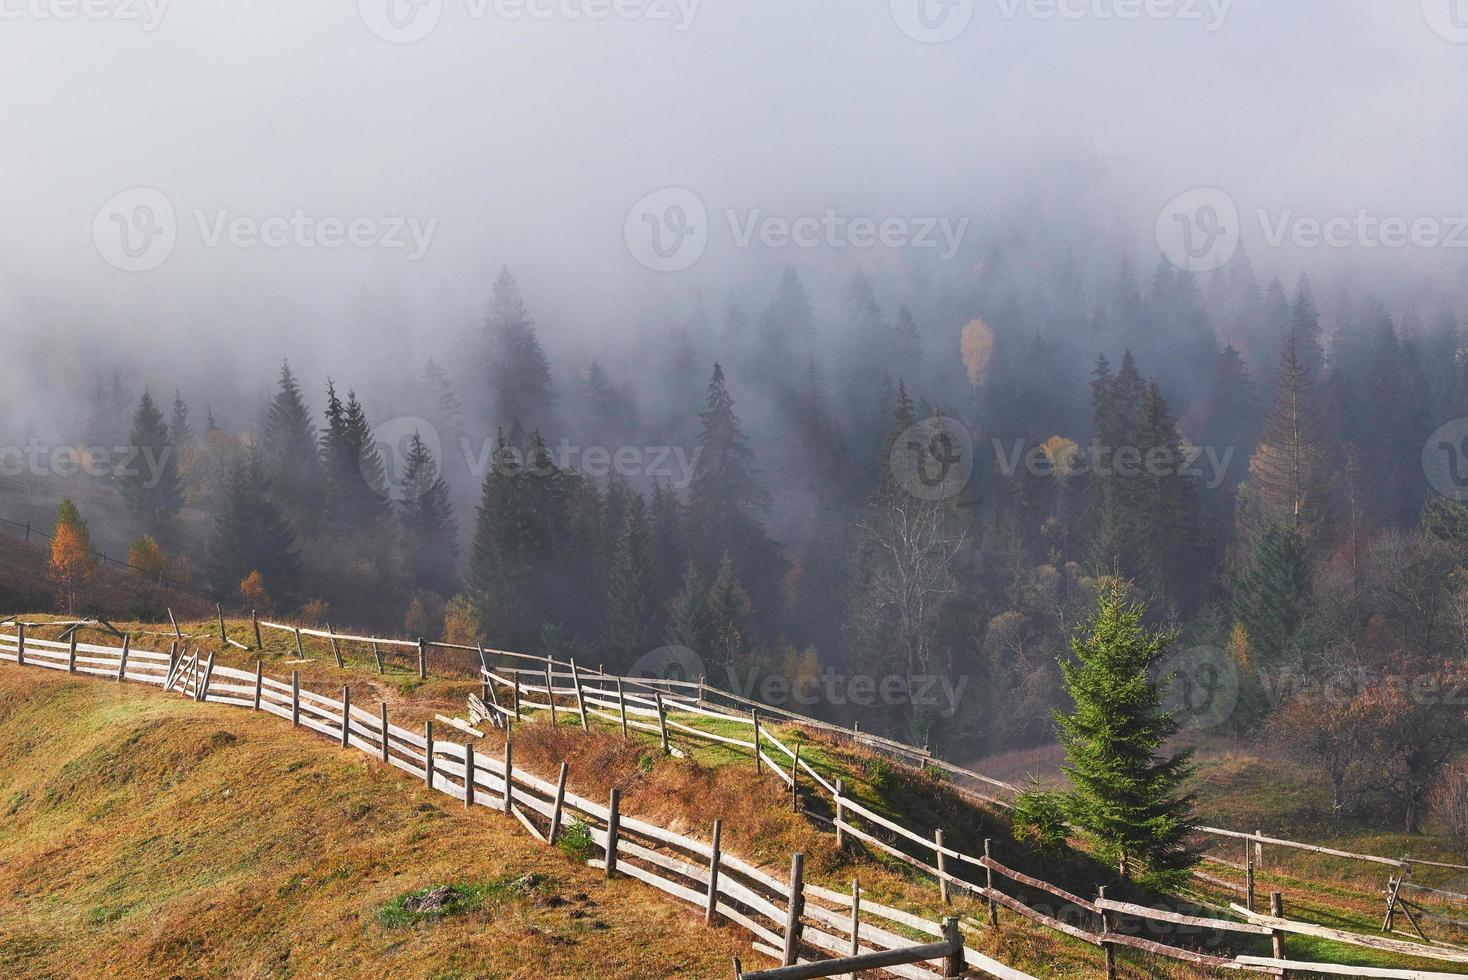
222 843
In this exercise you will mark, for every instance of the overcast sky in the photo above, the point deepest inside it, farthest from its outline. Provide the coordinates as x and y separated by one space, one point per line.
509 138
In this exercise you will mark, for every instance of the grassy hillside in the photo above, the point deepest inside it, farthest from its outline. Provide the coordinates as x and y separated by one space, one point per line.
147 836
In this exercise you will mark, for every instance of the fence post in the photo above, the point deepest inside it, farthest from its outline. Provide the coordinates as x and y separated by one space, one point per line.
377 657
295 699
336 650
550 693
428 753
1249 875
177 633
122 661
1259 850
758 764
855 921
953 964
509 777
468 775
259 682
203 692
942 867
255 621
485 688
20 644
840 831
795 780
989 885
662 722
223 636
797 906
1106 946
71 655
580 701
555 824
422 659
622 703
382 709
1276 909
346 715
614 825
515 692
172 664
300 650
711 910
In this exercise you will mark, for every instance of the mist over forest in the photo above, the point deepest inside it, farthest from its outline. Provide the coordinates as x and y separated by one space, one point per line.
768 332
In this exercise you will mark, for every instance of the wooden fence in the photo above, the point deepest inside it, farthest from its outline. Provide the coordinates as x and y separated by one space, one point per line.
647 705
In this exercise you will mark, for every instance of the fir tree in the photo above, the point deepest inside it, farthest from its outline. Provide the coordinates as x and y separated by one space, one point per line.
1127 798
180 432
690 621
355 475
519 370
149 478
1287 475
629 600
290 458
428 517
1273 599
908 353
729 617
250 535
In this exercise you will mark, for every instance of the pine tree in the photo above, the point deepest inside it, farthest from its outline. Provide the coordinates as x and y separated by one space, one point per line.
690 621
519 369
1126 798
1287 475
1168 549
1273 599
180 432
629 600
729 617
290 458
149 479
251 535
428 518
908 352
356 478
496 566
665 517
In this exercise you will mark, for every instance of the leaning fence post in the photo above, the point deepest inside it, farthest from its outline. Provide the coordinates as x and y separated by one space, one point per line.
300 650
758 765
662 722
622 704
840 830
795 780
797 906
346 715
1106 945
259 682
336 650
377 657
953 964
428 753
71 655
422 659
223 636
614 824
295 699
550 693
255 621
555 824
580 701
1276 910
122 661
515 692
485 688
468 775
989 885
509 777
942 867
711 910
203 693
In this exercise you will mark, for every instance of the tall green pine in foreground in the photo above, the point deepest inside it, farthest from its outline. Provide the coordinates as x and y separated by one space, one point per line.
1127 798
149 480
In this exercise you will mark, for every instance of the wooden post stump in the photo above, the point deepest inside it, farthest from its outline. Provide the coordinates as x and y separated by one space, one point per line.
797 907
711 909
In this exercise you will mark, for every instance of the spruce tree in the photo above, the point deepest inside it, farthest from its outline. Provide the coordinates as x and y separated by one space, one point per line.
428 518
149 478
250 535
629 602
690 621
1126 797
519 373
179 430
1273 599
729 618
290 458
1287 475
